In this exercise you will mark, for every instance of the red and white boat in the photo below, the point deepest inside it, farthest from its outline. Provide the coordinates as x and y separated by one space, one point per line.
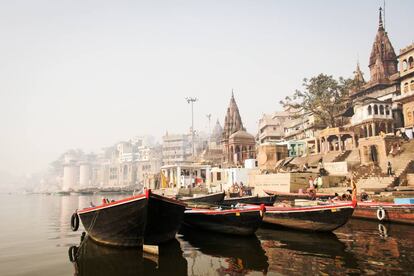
385 211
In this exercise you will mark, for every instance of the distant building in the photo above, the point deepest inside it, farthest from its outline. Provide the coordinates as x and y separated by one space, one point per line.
271 126
176 148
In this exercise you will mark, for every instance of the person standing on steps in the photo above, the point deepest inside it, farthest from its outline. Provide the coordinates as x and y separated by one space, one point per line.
389 168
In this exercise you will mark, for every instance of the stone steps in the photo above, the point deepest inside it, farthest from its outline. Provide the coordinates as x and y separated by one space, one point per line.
375 183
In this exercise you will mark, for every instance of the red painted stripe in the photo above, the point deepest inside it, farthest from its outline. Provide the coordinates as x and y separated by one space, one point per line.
310 208
294 194
387 204
121 201
216 212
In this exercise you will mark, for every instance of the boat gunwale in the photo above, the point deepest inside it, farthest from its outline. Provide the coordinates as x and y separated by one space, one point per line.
276 209
275 193
228 211
375 204
111 204
167 199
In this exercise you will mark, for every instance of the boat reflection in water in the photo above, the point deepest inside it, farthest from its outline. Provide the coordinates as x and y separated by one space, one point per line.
296 252
92 258
380 247
210 253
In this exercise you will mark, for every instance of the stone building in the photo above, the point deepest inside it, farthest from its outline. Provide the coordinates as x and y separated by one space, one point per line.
176 148
406 61
271 126
269 154
371 117
238 145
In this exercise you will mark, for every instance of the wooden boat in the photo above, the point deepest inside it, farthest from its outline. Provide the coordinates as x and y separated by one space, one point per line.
281 196
257 200
148 218
385 211
243 220
164 218
213 198
117 223
313 218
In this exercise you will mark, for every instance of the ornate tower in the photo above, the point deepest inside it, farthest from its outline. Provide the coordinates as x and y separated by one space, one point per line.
238 145
383 60
232 122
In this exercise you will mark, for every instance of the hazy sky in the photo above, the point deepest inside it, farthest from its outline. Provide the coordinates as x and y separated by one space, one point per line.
86 74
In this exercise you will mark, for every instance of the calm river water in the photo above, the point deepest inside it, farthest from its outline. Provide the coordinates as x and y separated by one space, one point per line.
35 238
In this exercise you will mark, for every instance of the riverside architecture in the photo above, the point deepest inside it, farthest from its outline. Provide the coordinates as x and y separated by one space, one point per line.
376 128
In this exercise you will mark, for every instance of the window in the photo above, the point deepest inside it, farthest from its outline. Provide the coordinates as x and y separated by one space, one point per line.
404 65
218 176
410 62
381 109
369 110
412 85
405 87
375 109
387 110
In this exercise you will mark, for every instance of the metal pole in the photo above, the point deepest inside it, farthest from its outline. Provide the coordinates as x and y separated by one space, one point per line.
192 101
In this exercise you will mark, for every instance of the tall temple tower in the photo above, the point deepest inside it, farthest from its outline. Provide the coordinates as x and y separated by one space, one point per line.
383 60
383 69
238 145
232 122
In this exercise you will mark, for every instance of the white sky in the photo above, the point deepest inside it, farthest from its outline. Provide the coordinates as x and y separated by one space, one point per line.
86 74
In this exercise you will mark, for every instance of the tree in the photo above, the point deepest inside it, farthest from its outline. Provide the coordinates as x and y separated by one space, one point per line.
323 96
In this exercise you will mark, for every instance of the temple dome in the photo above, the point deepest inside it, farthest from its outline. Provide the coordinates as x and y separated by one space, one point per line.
241 134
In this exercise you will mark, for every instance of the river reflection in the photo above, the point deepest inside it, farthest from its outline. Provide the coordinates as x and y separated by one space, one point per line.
93 259
387 248
298 253
223 254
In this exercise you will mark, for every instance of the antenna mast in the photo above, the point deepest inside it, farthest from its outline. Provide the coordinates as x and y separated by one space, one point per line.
384 15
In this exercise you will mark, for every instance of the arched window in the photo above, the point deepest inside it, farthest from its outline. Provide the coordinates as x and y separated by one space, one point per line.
405 87
409 116
369 110
381 109
410 62
412 85
376 109
387 110
404 65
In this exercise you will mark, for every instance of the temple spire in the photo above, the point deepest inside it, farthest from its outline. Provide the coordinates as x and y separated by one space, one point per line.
380 24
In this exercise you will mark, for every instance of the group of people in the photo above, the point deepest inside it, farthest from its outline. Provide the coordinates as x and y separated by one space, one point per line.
314 184
240 189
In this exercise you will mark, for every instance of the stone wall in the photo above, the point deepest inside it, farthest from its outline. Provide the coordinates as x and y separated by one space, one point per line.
336 168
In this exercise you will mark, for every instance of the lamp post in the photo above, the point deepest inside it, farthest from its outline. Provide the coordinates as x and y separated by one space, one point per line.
209 129
192 101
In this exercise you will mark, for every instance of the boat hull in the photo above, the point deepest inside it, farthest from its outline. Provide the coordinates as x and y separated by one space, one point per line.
211 198
256 200
121 223
320 218
234 221
164 219
398 213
